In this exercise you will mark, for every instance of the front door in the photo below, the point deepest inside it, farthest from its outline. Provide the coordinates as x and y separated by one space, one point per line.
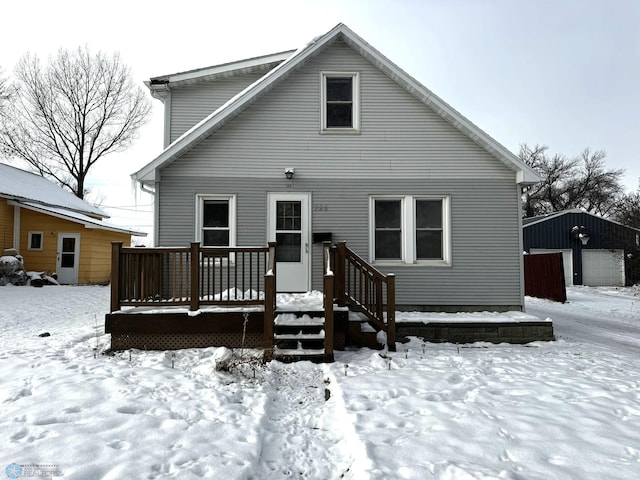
68 257
289 222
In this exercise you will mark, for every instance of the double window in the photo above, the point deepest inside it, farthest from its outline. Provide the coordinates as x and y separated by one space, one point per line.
216 220
411 229
340 100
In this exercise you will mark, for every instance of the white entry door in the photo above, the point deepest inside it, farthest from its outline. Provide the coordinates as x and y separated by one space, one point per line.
289 221
68 257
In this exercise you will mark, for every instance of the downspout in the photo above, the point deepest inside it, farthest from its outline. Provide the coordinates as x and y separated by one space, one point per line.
156 211
16 227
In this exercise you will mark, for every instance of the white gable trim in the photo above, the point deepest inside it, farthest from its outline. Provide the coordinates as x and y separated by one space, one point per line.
199 132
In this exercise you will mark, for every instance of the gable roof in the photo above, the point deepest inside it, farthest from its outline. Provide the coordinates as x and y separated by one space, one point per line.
238 103
20 185
527 222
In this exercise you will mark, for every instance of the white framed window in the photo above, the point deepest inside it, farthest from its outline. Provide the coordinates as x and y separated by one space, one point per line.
340 102
410 230
216 220
35 241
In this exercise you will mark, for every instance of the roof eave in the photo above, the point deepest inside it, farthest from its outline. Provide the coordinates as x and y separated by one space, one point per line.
247 65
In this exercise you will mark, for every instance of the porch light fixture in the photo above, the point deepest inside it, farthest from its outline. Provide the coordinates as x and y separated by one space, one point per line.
288 172
581 233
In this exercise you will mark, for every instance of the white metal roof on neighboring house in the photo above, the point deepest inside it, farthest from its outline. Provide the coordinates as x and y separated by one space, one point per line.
147 175
76 217
23 186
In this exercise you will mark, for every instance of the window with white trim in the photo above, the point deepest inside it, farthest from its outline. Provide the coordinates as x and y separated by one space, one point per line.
411 230
340 98
216 220
35 240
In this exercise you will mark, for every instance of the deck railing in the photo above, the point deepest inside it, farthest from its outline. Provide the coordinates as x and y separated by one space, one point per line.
192 276
367 290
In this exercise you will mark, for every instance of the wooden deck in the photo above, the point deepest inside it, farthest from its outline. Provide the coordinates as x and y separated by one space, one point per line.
169 298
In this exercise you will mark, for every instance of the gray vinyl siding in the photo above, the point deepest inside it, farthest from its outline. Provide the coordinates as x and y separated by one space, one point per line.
192 103
400 137
485 253
404 148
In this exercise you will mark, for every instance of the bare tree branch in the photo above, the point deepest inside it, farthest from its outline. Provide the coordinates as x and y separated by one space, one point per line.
581 182
71 113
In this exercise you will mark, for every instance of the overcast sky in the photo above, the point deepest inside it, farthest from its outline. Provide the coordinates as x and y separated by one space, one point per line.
563 73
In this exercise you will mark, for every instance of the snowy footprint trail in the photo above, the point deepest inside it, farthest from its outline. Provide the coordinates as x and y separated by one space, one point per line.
305 430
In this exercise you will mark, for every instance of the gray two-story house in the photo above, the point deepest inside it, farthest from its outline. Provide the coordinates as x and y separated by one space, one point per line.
335 142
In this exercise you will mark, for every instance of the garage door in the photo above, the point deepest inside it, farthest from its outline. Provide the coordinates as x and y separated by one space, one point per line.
567 262
603 268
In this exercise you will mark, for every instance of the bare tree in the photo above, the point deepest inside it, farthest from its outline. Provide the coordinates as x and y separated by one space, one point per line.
4 91
69 114
628 212
580 182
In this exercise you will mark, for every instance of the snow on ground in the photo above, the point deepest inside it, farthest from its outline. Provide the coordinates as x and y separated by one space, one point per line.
568 409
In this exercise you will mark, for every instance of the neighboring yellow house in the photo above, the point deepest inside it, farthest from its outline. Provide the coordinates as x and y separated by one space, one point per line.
55 231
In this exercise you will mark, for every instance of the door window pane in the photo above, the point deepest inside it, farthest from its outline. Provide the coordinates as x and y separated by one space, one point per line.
67 260
289 215
68 244
289 247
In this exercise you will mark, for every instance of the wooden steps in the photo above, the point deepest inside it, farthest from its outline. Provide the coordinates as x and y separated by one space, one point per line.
299 336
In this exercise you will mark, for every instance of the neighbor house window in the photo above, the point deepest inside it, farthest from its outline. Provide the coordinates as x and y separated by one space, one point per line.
35 240
215 220
340 99
411 229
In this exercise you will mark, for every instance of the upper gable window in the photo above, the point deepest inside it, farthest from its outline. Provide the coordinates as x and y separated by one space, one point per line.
340 102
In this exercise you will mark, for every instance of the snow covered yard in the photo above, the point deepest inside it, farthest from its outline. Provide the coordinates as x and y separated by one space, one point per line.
562 409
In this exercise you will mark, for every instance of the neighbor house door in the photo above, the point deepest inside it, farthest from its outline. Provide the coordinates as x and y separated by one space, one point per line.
289 220
68 257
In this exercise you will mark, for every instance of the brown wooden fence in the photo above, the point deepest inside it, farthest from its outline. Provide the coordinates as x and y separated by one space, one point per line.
544 276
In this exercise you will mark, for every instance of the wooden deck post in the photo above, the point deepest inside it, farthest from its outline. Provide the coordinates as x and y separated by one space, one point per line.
194 303
339 273
115 276
269 302
391 312
328 316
